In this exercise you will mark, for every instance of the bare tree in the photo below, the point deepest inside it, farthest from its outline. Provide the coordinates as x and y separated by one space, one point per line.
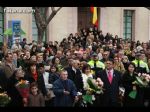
42 19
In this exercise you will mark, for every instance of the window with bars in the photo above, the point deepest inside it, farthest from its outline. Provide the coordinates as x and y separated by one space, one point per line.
128 24
1 23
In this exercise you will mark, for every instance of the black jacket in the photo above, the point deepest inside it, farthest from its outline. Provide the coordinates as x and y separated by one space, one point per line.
16 98
127 83
111 92
75 77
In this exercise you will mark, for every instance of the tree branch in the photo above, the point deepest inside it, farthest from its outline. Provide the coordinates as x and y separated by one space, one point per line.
52 14
53 9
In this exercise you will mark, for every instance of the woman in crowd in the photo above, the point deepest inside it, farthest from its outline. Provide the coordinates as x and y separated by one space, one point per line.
128 78
118 65
56 61
16 98
32 73
33 50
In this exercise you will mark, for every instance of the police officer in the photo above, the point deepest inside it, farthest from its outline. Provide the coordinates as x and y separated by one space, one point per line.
141 66
95 64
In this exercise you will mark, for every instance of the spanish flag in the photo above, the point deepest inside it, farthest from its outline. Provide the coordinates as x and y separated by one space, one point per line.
94 12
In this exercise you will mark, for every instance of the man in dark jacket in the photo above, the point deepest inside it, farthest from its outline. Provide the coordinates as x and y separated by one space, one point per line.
75 75
3 80
112 82
65 91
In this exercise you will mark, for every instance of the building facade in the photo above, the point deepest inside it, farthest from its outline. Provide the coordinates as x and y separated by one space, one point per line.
126 22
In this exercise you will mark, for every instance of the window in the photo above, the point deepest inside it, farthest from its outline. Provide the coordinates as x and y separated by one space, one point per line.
1 23
128 24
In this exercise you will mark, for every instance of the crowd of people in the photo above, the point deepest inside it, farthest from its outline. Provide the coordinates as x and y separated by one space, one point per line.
57 72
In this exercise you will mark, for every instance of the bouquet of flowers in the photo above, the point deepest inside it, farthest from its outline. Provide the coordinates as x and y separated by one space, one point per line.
4 99
94 86
142 80
23 88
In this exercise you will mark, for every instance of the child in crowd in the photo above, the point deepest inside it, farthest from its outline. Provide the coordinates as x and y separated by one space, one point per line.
36 98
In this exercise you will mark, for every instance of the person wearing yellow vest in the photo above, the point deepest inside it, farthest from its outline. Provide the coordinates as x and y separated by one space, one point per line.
95 64
141 66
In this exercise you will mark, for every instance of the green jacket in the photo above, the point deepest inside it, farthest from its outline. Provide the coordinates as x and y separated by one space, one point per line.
142 64
99 64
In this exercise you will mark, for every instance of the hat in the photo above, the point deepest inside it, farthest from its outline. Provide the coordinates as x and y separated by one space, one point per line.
94 54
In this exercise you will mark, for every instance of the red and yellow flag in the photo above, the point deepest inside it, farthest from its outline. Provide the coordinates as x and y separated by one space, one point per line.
94 12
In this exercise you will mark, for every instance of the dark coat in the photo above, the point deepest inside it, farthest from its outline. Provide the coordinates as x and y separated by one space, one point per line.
111 92
41 84
62 100
127 83
28 76
76 78
3 79
53 77
36 101
16 98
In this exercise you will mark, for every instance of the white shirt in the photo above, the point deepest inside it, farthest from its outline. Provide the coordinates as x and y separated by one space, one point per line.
74 70
46 77
85 77
112 72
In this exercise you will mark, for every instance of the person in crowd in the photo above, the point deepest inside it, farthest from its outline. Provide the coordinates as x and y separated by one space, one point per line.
33 50
105 56
65 91
23 43
128 78
7 66
33 58
46 55
16 98
74 74
53 74
125 62
112 81
118 65
16 46
95 64
31 74
3 80
141 66
56 61
15 57
45 86
36 98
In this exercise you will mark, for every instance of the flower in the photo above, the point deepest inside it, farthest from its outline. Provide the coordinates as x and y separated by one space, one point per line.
23 88
4 99
139 74
142 80
94 86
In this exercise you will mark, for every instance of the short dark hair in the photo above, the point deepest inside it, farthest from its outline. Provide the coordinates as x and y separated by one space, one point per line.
54 67
7 54
24 39
33 84
32 63
111 60
85 67
41 65
131 63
